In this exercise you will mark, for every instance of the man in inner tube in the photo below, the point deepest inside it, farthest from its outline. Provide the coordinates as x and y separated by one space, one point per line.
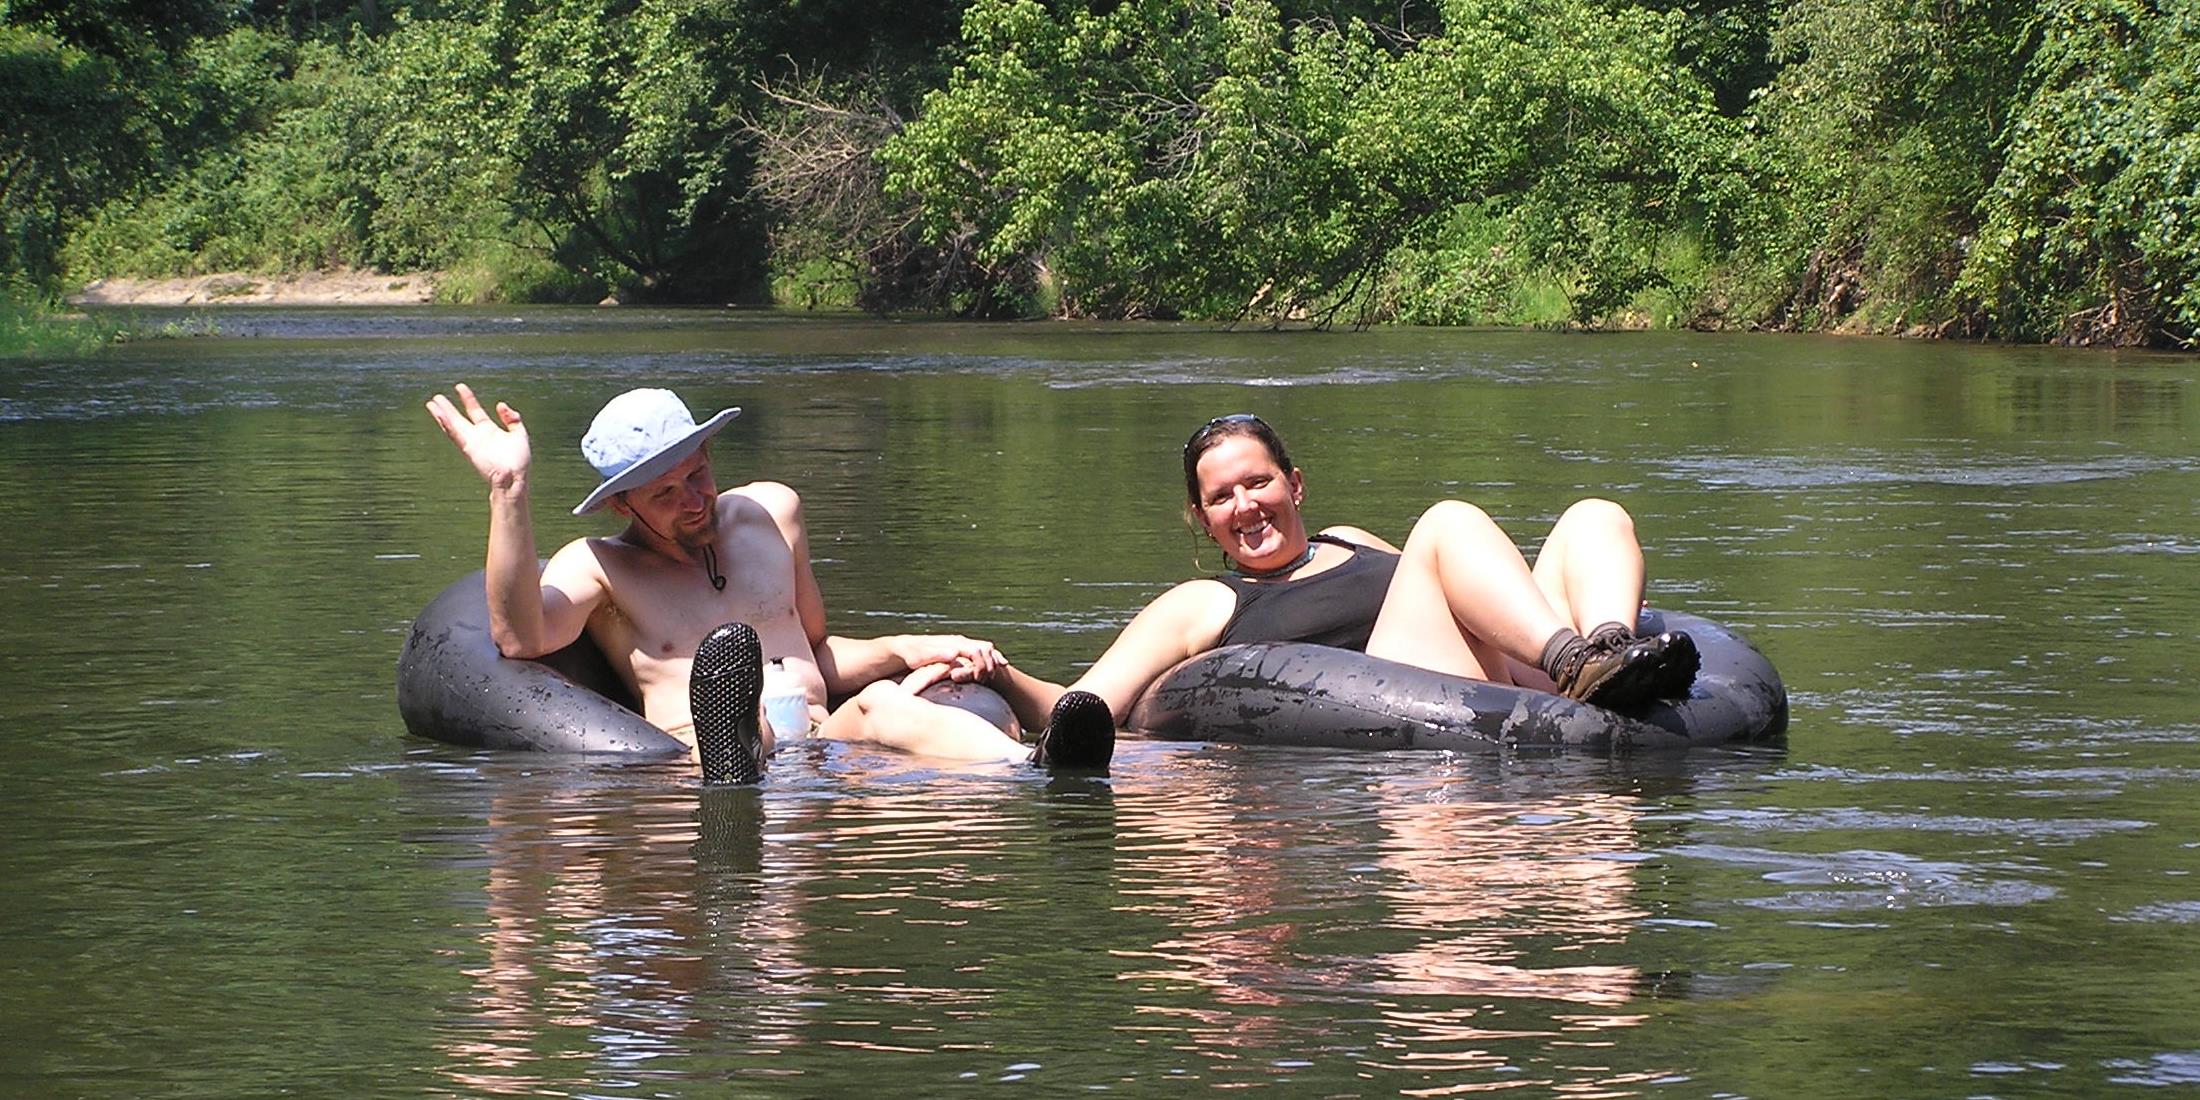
691 567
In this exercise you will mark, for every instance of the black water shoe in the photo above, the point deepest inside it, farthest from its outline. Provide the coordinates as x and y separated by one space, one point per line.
1080 734
1613 678
724 688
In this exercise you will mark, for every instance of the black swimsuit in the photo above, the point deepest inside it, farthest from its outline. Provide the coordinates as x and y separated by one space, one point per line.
1335 607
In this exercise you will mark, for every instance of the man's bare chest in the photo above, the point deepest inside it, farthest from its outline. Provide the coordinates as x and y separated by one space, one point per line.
660 610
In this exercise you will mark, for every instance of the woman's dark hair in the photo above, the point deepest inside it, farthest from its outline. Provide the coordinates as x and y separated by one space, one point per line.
1214 432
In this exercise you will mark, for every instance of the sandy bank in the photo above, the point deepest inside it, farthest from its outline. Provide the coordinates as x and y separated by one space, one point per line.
310 288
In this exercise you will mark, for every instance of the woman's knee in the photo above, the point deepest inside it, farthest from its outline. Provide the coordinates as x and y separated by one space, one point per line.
1447 516
1597 514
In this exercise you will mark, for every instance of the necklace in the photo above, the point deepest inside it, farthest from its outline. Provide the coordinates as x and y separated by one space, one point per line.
1305 556
710 569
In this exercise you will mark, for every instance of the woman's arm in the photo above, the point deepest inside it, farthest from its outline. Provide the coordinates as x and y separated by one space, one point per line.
1185 620
1180 623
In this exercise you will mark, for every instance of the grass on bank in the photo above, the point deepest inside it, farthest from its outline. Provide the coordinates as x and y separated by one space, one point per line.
35 326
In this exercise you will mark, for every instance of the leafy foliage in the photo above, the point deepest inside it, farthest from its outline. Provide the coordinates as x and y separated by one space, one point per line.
31 324
1878 135
1209 159
2020 168
65 143
2088 233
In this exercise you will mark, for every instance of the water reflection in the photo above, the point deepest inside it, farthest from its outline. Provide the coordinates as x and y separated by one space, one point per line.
600 902
634 927
1465 922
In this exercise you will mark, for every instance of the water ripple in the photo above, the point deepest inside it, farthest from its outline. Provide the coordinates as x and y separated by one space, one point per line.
2095 774
2161 912
2179 1067
1880 468
1865 878
1855 819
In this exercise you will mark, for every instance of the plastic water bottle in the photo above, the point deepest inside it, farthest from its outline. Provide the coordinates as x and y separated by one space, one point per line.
786 705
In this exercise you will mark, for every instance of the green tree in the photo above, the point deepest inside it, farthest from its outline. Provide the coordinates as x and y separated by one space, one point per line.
2091 232
1213 160
65 142
1879 139
1554 138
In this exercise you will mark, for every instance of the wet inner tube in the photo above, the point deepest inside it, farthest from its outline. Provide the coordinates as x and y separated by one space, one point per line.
1297 694
453 685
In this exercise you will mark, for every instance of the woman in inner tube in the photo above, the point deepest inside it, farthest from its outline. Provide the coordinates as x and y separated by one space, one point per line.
1458 599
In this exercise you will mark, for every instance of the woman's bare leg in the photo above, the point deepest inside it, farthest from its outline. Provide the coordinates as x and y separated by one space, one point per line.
1463 599
1590 568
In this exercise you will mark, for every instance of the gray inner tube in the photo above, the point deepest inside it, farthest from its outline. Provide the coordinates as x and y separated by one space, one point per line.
453 686
1297 694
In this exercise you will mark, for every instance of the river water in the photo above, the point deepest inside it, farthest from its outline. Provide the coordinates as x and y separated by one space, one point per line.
1969 872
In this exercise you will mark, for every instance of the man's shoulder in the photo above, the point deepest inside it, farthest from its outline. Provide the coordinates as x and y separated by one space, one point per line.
580 569
607 561
762 499
581 550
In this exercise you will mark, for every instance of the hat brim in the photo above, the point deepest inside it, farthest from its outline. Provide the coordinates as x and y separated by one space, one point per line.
651 468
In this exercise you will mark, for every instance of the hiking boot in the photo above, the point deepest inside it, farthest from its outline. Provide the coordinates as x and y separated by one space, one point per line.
1613 678
1677 668
1080 734
724 687
1611 635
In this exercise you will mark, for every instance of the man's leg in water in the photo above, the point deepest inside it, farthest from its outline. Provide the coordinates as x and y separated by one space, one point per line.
725 693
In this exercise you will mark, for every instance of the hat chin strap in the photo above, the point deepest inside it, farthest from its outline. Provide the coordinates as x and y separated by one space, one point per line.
710 553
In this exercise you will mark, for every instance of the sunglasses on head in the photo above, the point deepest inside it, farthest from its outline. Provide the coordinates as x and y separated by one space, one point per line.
1209 427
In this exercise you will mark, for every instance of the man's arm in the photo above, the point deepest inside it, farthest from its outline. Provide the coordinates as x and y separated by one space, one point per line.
849 663
785 508
525 619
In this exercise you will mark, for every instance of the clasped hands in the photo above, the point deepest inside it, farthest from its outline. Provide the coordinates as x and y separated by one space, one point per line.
935 657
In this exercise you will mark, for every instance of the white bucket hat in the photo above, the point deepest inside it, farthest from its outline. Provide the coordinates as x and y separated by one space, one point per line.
638 436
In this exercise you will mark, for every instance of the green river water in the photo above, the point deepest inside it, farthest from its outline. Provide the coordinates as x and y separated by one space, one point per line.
1970 872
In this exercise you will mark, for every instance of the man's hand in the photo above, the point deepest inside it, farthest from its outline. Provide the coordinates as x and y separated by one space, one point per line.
500 453
924 677
970 659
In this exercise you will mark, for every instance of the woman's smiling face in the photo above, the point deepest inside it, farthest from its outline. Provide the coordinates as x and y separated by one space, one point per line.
1250 505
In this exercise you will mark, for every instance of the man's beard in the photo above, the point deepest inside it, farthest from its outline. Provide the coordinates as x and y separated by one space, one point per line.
700 536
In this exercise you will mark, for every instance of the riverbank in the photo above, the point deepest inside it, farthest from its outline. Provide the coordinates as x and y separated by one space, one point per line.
307 288
35 326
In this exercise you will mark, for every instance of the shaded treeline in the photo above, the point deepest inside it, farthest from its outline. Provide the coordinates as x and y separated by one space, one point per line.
2021 169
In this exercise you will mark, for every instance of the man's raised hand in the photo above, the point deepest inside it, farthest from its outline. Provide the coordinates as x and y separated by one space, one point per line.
499 451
